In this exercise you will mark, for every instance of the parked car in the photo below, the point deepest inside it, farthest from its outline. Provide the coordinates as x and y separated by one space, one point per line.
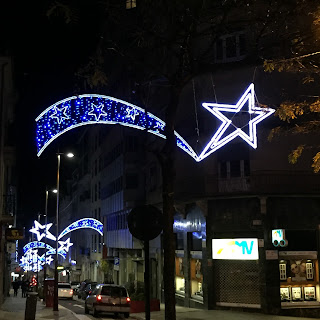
108 298
88 290
75 285
65 290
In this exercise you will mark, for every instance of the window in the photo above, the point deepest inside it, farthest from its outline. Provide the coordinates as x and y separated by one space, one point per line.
106 291
231 47
130 4
234 169
132 181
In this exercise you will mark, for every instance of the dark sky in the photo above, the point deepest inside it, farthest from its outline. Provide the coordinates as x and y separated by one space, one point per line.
47 53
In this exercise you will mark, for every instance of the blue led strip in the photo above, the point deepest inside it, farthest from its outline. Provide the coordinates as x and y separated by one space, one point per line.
83 224
35 245
86 109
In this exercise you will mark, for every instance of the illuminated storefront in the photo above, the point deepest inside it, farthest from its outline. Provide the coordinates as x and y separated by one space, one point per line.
299 279
236 272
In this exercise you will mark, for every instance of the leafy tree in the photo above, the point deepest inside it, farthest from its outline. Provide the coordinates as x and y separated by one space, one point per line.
301 57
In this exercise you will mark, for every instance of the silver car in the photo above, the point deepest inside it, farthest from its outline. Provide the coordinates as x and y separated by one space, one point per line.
108 298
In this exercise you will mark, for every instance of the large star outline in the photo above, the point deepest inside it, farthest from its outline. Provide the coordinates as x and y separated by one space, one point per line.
60 114
257 114
37 229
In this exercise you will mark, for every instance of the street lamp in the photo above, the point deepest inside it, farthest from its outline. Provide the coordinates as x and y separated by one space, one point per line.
46 222
55 295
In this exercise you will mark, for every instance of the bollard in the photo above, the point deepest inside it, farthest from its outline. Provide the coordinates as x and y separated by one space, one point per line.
31 306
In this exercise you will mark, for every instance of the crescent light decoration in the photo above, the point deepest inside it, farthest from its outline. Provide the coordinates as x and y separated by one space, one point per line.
87 109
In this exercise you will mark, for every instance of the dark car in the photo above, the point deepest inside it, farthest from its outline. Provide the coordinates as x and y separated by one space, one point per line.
82 287
88 290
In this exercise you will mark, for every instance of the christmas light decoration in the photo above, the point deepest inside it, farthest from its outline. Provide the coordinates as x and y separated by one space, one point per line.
36 230
31 261
35 245
257 114
88 109
65 245
81 224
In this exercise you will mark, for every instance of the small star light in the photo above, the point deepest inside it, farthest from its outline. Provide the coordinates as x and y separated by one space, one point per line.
257 114
132 113
24 260
49 259
97 112
65 245
60 114
36 230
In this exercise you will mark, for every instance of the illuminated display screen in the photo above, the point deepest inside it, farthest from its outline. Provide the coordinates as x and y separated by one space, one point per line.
235 249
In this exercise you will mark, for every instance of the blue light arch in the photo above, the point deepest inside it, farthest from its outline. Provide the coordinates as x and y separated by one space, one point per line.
88 109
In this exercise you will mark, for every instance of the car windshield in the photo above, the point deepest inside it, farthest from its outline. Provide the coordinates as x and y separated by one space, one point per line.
64 286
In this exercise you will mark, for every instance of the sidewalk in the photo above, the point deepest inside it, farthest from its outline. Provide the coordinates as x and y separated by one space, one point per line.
183 313
14 308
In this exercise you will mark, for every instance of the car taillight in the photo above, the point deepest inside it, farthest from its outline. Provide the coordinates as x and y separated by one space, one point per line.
128 300
99 298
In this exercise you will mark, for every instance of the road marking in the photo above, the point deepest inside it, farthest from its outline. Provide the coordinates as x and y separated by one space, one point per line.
79 306
81 316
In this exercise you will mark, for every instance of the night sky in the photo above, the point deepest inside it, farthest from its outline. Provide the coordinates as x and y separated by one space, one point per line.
47 54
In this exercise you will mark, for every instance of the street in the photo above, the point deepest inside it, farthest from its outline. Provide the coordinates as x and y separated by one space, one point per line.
77 306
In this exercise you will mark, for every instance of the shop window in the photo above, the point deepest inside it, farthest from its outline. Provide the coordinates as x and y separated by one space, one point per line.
180 281
179 241
196 278
130 4
298 281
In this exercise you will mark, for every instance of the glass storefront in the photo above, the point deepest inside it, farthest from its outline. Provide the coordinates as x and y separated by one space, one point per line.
299 283
196 279
180 282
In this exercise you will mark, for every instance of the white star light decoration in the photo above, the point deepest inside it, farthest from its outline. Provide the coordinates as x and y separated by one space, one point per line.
132 113
60 114
257 114
97 112
65 245
37 229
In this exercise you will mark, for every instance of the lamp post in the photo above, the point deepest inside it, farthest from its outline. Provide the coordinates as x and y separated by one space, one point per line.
55 293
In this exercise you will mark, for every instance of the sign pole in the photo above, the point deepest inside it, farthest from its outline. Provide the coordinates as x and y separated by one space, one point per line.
147 279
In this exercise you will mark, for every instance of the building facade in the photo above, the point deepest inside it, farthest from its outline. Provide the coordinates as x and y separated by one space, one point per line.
7 169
